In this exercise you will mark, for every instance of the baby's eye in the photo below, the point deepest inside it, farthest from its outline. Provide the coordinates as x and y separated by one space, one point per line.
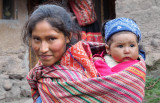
120 46
132 45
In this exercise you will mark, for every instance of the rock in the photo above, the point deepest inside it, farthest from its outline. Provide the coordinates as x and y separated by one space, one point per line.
2 94
8 64
17 74
7 85
157 3
149 59
4 76
152 58
25 91
154 43
13 94
29 101
145 5
153 73
21 56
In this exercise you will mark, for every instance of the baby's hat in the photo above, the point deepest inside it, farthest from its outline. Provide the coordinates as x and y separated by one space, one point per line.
121 24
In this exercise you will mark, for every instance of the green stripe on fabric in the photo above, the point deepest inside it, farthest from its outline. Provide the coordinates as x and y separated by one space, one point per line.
83 93
77 91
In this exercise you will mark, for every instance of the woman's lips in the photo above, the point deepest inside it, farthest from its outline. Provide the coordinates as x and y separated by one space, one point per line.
45 57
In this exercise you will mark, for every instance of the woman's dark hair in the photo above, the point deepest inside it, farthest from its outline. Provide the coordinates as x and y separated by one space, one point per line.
56 16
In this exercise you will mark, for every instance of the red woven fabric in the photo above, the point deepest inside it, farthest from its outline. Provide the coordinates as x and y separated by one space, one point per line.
84 11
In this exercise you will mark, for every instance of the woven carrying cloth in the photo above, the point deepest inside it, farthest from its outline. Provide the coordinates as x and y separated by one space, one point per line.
77 82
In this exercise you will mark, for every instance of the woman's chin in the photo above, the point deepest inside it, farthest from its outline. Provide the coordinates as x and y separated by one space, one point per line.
47 63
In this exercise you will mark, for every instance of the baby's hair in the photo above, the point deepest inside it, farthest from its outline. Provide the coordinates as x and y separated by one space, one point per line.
103 26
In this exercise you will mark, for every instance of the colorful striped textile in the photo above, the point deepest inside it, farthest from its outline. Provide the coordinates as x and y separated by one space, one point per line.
79 56
72 83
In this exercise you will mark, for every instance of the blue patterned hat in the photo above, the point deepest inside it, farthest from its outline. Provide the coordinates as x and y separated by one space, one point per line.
121 24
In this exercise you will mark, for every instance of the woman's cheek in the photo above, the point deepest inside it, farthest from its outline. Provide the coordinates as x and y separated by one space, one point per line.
56 48
35 48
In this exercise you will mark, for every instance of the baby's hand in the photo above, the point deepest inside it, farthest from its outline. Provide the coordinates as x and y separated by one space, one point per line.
97 58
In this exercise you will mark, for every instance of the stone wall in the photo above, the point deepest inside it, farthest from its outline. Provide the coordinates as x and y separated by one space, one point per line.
147 15
13 58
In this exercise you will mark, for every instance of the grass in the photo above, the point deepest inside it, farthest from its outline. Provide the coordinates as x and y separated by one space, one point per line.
152 91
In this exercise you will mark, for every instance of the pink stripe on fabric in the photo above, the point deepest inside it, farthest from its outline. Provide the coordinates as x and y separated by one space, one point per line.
44 99
76 75
67 73
136 74
139 69
108 93
114 89
133 79
128 83
55 88
123 65
95 88
119 86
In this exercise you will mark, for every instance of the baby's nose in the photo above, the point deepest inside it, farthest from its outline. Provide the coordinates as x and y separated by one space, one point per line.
126 50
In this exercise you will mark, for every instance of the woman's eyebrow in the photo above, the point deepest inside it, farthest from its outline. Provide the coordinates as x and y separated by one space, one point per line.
35 36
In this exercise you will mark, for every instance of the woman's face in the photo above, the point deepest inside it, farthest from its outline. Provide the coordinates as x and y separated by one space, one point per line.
48 43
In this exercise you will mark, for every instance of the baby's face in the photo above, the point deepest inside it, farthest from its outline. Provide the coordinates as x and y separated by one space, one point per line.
124 47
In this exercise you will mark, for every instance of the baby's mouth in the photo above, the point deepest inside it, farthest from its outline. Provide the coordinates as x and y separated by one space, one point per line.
126 59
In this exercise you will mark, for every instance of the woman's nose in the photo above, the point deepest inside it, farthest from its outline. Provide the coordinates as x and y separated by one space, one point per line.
44 47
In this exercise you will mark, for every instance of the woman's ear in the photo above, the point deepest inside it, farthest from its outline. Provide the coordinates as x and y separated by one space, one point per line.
107 49
68 39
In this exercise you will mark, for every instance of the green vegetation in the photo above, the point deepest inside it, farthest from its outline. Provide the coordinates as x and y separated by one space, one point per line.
152 91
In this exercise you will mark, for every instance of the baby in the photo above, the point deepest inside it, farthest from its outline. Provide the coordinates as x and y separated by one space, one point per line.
122 36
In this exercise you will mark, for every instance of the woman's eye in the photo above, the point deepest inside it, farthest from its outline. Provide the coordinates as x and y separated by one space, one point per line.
51 39
36 39
120 46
